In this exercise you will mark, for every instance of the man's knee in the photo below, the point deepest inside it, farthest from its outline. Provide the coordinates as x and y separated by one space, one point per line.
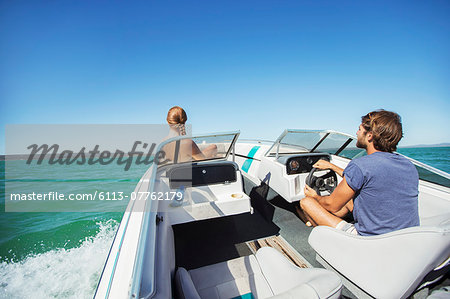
307 203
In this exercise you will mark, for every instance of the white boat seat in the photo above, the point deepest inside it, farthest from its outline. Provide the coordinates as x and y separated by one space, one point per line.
268 274
391 265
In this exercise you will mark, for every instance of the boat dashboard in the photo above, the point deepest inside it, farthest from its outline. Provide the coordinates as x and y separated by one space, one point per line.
301 163
287 174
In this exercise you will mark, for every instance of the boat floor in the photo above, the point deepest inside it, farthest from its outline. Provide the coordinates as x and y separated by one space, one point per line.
211 241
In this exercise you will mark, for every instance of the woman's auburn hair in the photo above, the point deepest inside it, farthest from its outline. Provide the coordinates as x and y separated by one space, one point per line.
177 117
386 129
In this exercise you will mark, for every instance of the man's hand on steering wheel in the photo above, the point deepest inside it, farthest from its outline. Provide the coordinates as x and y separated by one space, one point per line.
322 164
310 192
325 165
319 183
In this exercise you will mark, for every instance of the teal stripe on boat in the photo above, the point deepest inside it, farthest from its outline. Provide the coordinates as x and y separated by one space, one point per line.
245 296
248 162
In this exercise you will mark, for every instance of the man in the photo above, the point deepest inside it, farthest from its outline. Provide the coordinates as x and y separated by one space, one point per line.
381 189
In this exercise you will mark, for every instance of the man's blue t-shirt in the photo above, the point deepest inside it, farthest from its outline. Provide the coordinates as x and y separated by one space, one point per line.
386 186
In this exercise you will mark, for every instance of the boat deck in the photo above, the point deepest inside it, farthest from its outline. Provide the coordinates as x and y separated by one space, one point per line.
216 240
278 211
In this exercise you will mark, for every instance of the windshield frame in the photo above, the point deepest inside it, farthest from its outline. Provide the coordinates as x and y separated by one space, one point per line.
183 137
326 133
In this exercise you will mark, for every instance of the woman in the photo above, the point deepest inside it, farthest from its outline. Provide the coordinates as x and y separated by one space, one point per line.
188 149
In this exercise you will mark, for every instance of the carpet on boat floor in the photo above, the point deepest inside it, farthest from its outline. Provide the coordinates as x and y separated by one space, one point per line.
211 241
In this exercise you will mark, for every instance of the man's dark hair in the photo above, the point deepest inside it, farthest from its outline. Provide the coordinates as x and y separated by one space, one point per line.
386 128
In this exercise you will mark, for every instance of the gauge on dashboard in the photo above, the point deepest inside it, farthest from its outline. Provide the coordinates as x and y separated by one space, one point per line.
294 165
302 163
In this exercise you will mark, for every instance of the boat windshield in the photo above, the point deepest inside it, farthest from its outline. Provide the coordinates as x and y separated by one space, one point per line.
314 141
198 148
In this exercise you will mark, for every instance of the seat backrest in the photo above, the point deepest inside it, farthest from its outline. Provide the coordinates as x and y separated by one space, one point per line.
385 266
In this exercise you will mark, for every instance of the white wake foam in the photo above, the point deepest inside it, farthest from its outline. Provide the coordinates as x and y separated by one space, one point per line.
59 273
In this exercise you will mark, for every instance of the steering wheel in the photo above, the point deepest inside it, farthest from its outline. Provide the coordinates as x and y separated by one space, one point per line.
326 182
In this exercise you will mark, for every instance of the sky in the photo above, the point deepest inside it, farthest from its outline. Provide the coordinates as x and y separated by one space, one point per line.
255 66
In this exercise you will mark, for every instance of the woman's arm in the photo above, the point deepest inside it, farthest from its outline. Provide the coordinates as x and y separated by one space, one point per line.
196 152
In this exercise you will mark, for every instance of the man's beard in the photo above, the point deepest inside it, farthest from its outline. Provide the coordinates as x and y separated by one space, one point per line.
360 144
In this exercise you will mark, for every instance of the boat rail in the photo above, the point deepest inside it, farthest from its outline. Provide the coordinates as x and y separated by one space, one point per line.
269 142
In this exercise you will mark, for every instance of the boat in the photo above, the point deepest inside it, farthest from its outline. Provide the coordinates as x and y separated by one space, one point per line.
225 227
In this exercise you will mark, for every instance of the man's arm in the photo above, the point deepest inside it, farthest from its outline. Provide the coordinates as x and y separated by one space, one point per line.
336 200
322 164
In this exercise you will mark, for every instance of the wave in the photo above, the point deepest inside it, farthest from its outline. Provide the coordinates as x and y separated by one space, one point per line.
59 273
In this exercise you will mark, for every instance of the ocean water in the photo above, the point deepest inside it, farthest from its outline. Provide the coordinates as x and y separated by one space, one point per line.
61 255
438 157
